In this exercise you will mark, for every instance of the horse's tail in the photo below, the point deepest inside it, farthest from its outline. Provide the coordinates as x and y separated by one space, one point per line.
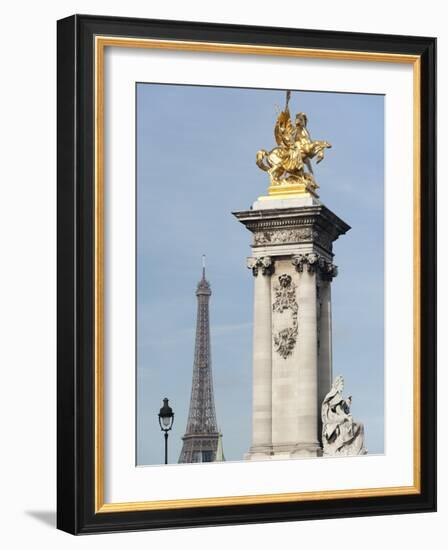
262 161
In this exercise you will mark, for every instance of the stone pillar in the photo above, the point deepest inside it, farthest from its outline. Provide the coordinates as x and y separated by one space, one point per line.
325 358
292 361
262 269
307 442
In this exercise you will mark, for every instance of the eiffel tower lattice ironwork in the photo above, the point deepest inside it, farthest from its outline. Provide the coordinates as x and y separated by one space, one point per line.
200 441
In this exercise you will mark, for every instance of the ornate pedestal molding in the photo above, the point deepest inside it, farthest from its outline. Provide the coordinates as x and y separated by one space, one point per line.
274 229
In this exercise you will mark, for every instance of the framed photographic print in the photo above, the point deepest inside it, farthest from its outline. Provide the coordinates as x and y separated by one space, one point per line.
246 274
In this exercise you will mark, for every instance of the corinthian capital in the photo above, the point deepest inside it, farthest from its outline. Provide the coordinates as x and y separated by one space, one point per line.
299 261
264 264
329 272
315 263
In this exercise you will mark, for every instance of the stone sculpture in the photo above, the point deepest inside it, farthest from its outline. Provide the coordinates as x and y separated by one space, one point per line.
341 435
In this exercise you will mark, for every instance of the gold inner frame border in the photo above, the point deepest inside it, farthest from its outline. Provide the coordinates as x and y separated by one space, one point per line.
100 43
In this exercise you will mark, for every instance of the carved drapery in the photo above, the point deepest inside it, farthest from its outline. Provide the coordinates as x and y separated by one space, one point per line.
341 435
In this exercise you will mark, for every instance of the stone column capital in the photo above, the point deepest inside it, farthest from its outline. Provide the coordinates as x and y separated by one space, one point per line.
329 272
315 263
265 264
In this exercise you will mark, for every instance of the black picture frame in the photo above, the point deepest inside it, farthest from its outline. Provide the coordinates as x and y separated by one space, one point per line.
76 511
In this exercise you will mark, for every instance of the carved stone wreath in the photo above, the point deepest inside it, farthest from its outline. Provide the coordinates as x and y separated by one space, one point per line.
285 299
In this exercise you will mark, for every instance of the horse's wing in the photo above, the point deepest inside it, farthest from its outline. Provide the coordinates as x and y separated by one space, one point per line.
283 128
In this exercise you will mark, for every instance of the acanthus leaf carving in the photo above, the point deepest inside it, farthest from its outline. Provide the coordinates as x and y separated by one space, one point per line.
315 263
265 264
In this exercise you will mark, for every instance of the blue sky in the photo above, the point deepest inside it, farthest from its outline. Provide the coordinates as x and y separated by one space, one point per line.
196 151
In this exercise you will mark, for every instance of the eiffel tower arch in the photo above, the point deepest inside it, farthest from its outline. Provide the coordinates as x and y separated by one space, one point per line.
200 442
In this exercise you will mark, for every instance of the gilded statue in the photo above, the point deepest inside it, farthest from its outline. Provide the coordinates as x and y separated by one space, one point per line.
341 435
289 164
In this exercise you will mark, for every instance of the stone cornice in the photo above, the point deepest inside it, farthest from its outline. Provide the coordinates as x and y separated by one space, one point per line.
318 217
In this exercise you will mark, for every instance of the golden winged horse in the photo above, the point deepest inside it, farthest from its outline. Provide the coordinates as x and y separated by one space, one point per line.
286 163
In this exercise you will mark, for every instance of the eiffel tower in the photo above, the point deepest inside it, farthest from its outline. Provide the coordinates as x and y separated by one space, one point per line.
200 442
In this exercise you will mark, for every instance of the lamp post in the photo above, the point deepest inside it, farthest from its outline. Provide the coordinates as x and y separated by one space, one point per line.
166 420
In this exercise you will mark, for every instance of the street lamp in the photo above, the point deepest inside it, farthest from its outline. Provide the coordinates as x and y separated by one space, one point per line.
166 419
